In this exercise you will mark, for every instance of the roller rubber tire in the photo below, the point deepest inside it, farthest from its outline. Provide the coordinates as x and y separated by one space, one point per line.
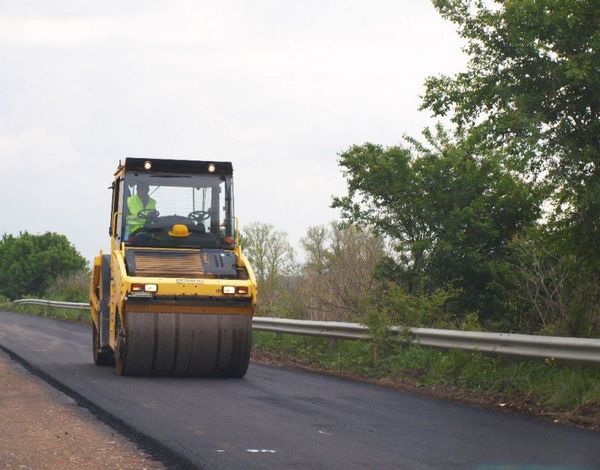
102 357
102 354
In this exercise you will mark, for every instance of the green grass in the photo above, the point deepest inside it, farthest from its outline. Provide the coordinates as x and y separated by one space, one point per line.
566 387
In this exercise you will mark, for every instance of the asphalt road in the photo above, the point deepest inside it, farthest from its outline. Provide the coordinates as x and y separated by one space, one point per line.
277 418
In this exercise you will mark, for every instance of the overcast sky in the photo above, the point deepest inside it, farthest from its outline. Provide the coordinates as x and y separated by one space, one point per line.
278 87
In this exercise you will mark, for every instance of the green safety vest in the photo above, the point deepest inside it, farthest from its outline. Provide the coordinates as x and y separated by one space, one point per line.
135 204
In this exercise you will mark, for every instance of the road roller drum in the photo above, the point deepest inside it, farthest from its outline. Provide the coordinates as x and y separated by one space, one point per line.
181 344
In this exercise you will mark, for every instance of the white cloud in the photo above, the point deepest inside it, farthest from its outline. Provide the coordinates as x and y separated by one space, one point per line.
278 87
36 153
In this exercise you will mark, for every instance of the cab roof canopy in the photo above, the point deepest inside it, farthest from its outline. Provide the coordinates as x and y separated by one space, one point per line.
197 167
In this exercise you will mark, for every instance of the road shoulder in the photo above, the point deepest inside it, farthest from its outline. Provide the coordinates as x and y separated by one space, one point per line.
44 428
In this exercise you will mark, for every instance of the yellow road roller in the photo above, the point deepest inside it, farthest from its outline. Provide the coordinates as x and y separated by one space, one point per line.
176 295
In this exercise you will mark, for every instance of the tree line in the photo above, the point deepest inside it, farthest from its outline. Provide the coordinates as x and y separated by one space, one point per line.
350 273
494 219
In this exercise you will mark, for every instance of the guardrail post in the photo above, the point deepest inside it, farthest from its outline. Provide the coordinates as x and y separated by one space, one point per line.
375 351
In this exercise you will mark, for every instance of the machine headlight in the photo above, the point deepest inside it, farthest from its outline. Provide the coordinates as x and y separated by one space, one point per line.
211 168
147 164
144 287
228 290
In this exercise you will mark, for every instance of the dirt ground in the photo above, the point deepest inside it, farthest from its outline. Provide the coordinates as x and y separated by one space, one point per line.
42 428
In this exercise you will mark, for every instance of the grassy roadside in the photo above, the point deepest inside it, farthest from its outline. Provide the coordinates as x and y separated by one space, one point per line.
79 316
561 392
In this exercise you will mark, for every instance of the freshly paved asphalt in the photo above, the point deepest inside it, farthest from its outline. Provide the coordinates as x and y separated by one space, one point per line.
278 418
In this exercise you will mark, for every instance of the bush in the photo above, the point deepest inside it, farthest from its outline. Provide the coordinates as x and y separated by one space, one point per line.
30 262
70 288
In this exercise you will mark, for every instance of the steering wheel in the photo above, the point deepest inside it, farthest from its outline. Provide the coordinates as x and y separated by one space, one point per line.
148 214
199 216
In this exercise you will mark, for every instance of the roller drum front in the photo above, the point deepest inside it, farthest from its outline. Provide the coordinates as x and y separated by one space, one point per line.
181 344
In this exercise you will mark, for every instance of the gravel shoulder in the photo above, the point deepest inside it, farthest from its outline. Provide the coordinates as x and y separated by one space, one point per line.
42 428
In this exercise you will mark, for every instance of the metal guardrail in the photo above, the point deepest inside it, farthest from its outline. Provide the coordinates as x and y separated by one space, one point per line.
54 303
565 348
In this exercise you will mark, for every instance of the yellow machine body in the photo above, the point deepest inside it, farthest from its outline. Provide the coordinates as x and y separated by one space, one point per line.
176 297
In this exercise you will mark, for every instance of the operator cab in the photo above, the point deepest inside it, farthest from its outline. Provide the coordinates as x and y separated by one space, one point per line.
174 203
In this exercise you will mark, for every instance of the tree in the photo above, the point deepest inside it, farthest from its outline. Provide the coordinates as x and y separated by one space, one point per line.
315 246
532 91
337 278
559 298
268 250
272 258
29 263
449 214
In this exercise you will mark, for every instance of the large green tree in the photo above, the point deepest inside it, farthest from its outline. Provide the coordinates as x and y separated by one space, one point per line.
29 263
450 214
532 90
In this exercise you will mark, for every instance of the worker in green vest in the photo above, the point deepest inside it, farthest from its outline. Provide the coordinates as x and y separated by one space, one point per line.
140 201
